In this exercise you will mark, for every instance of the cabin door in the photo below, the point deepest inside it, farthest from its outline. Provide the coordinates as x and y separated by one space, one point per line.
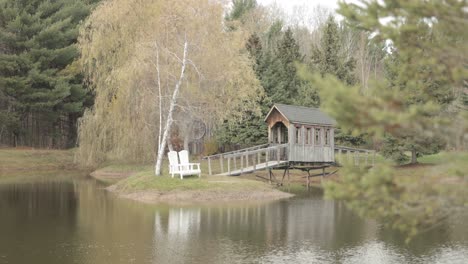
280 133
280 136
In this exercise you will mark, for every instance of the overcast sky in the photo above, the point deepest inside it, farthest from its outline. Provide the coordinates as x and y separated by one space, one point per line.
288 5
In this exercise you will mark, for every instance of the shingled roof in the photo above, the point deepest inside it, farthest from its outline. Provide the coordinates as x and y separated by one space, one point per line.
303 115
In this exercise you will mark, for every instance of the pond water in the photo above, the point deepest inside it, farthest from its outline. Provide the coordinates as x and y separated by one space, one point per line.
74 220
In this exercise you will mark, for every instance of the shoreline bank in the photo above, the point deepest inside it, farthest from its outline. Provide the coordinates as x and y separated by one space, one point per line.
141 185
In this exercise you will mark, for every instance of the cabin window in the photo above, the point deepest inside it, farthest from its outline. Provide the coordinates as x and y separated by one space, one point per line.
308 136
298 135
317 137
327 137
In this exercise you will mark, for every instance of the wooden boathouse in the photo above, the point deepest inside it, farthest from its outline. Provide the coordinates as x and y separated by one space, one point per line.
298 137
308 132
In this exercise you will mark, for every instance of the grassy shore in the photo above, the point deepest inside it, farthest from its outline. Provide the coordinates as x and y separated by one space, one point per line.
26 165
137 181
32 159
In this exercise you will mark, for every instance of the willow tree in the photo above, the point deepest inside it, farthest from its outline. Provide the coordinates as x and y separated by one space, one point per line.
132 55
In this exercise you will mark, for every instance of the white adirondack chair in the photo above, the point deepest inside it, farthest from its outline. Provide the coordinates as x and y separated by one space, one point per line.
189 168
184 167
174 166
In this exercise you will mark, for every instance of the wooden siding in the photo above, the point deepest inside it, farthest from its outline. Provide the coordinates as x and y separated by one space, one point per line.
276 117
301 152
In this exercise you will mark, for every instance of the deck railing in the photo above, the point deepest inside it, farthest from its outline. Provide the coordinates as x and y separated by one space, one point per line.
358 156
241 159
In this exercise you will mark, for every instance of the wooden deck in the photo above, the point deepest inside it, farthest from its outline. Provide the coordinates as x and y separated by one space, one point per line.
250 169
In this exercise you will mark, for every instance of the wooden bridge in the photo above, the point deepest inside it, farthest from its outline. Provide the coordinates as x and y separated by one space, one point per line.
276 156
298 136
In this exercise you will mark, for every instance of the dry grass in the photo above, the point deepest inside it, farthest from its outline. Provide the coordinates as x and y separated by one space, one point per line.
31 159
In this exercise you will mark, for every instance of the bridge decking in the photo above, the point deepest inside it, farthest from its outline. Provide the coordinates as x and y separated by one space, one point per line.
250 169
270 156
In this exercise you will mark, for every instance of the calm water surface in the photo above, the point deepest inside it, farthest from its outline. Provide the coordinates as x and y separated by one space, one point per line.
73 220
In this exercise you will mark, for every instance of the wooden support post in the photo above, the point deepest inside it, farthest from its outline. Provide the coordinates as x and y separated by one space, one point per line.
278 154
266 158
209 165
367 155
254 162
229 165
242 163
235 162
323 174
247 160
259 158
284 175
221 160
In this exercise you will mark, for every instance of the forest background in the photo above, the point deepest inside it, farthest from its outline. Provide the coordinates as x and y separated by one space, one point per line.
48 80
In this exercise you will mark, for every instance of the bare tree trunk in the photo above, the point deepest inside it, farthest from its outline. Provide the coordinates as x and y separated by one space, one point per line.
186 141
169 120
169 145
3 125
414 158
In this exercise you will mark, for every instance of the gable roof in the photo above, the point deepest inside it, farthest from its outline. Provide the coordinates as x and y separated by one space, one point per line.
303 115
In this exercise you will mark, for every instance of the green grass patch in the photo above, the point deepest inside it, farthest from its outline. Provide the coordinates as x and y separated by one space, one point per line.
146 180
125 168
445 157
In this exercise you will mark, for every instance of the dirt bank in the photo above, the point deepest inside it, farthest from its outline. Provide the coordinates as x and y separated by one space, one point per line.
200 196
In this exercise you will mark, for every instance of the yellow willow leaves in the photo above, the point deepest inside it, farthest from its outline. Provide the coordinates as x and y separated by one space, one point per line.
120 43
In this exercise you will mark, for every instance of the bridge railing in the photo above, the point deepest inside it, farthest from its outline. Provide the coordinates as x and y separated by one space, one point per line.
356 156
241 159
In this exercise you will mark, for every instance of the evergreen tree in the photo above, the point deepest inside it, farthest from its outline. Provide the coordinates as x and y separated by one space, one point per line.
240 8
428 75
408 140
277 70
251 129
326 59
39 84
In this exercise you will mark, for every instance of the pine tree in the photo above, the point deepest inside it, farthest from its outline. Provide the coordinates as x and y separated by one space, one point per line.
251 129
277 70
428 76
39 84
326 59
240 8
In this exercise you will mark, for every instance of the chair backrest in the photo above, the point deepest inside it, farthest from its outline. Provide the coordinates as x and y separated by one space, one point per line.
184 157
173 160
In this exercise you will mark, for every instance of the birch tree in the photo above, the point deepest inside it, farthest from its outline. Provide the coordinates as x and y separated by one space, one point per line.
169 119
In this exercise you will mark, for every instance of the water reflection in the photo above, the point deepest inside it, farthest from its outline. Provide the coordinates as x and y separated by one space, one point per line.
76 221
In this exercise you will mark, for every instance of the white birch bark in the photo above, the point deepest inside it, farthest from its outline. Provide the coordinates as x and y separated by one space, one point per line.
169 119
160 99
